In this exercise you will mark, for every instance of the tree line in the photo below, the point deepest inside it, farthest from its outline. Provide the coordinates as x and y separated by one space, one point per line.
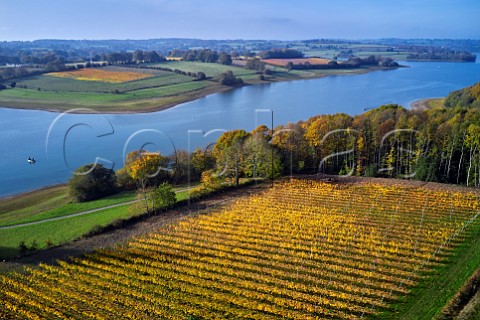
352 62
438 144
281 54
442 54
138 56
203 55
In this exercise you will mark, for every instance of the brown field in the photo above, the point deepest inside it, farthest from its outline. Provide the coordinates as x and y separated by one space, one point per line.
284 62
102 75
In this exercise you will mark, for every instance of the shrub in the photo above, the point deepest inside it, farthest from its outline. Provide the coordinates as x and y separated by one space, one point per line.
162 197
198 193
92 182
210 181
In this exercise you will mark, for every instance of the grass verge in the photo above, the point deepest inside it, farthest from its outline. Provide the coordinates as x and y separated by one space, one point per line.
427 299
46 208
58 232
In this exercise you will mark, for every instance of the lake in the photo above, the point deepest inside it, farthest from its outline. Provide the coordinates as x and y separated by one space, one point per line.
61 143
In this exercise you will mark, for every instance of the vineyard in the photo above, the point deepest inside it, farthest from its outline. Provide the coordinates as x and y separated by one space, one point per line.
102 75
302 250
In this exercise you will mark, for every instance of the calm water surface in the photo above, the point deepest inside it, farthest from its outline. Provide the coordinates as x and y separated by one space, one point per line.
62 143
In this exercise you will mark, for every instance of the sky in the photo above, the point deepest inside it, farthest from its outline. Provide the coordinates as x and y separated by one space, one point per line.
243 19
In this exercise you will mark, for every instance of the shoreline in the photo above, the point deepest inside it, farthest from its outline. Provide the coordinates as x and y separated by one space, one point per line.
188 96
26 193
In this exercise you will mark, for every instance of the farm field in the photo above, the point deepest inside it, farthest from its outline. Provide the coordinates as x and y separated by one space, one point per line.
210 69
102 75
106 89
139 100
63 82
302 250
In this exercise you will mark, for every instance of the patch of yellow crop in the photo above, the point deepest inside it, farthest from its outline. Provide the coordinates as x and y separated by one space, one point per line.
102 75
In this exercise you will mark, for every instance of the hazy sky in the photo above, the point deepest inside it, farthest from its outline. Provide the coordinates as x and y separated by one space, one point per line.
246 19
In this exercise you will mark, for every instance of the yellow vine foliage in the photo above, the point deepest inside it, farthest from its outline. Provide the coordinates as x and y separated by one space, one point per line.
302 250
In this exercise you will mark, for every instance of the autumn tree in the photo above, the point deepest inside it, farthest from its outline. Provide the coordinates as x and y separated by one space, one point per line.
147 168
180 166
331 138
201 161
210 180
229 153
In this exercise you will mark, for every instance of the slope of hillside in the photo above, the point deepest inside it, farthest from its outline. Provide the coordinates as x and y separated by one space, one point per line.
467 97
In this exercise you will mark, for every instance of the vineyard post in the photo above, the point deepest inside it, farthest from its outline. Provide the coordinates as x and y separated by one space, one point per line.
272 151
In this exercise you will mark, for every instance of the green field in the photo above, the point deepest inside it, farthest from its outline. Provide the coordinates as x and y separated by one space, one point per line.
210 69
361 50
52 203
57 232
53 83
162 90
36 213
137 100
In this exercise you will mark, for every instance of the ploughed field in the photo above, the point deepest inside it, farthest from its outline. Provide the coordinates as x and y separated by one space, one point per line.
302 250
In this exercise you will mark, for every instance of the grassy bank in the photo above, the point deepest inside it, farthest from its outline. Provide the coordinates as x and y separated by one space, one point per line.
50 209
53 203
434 292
